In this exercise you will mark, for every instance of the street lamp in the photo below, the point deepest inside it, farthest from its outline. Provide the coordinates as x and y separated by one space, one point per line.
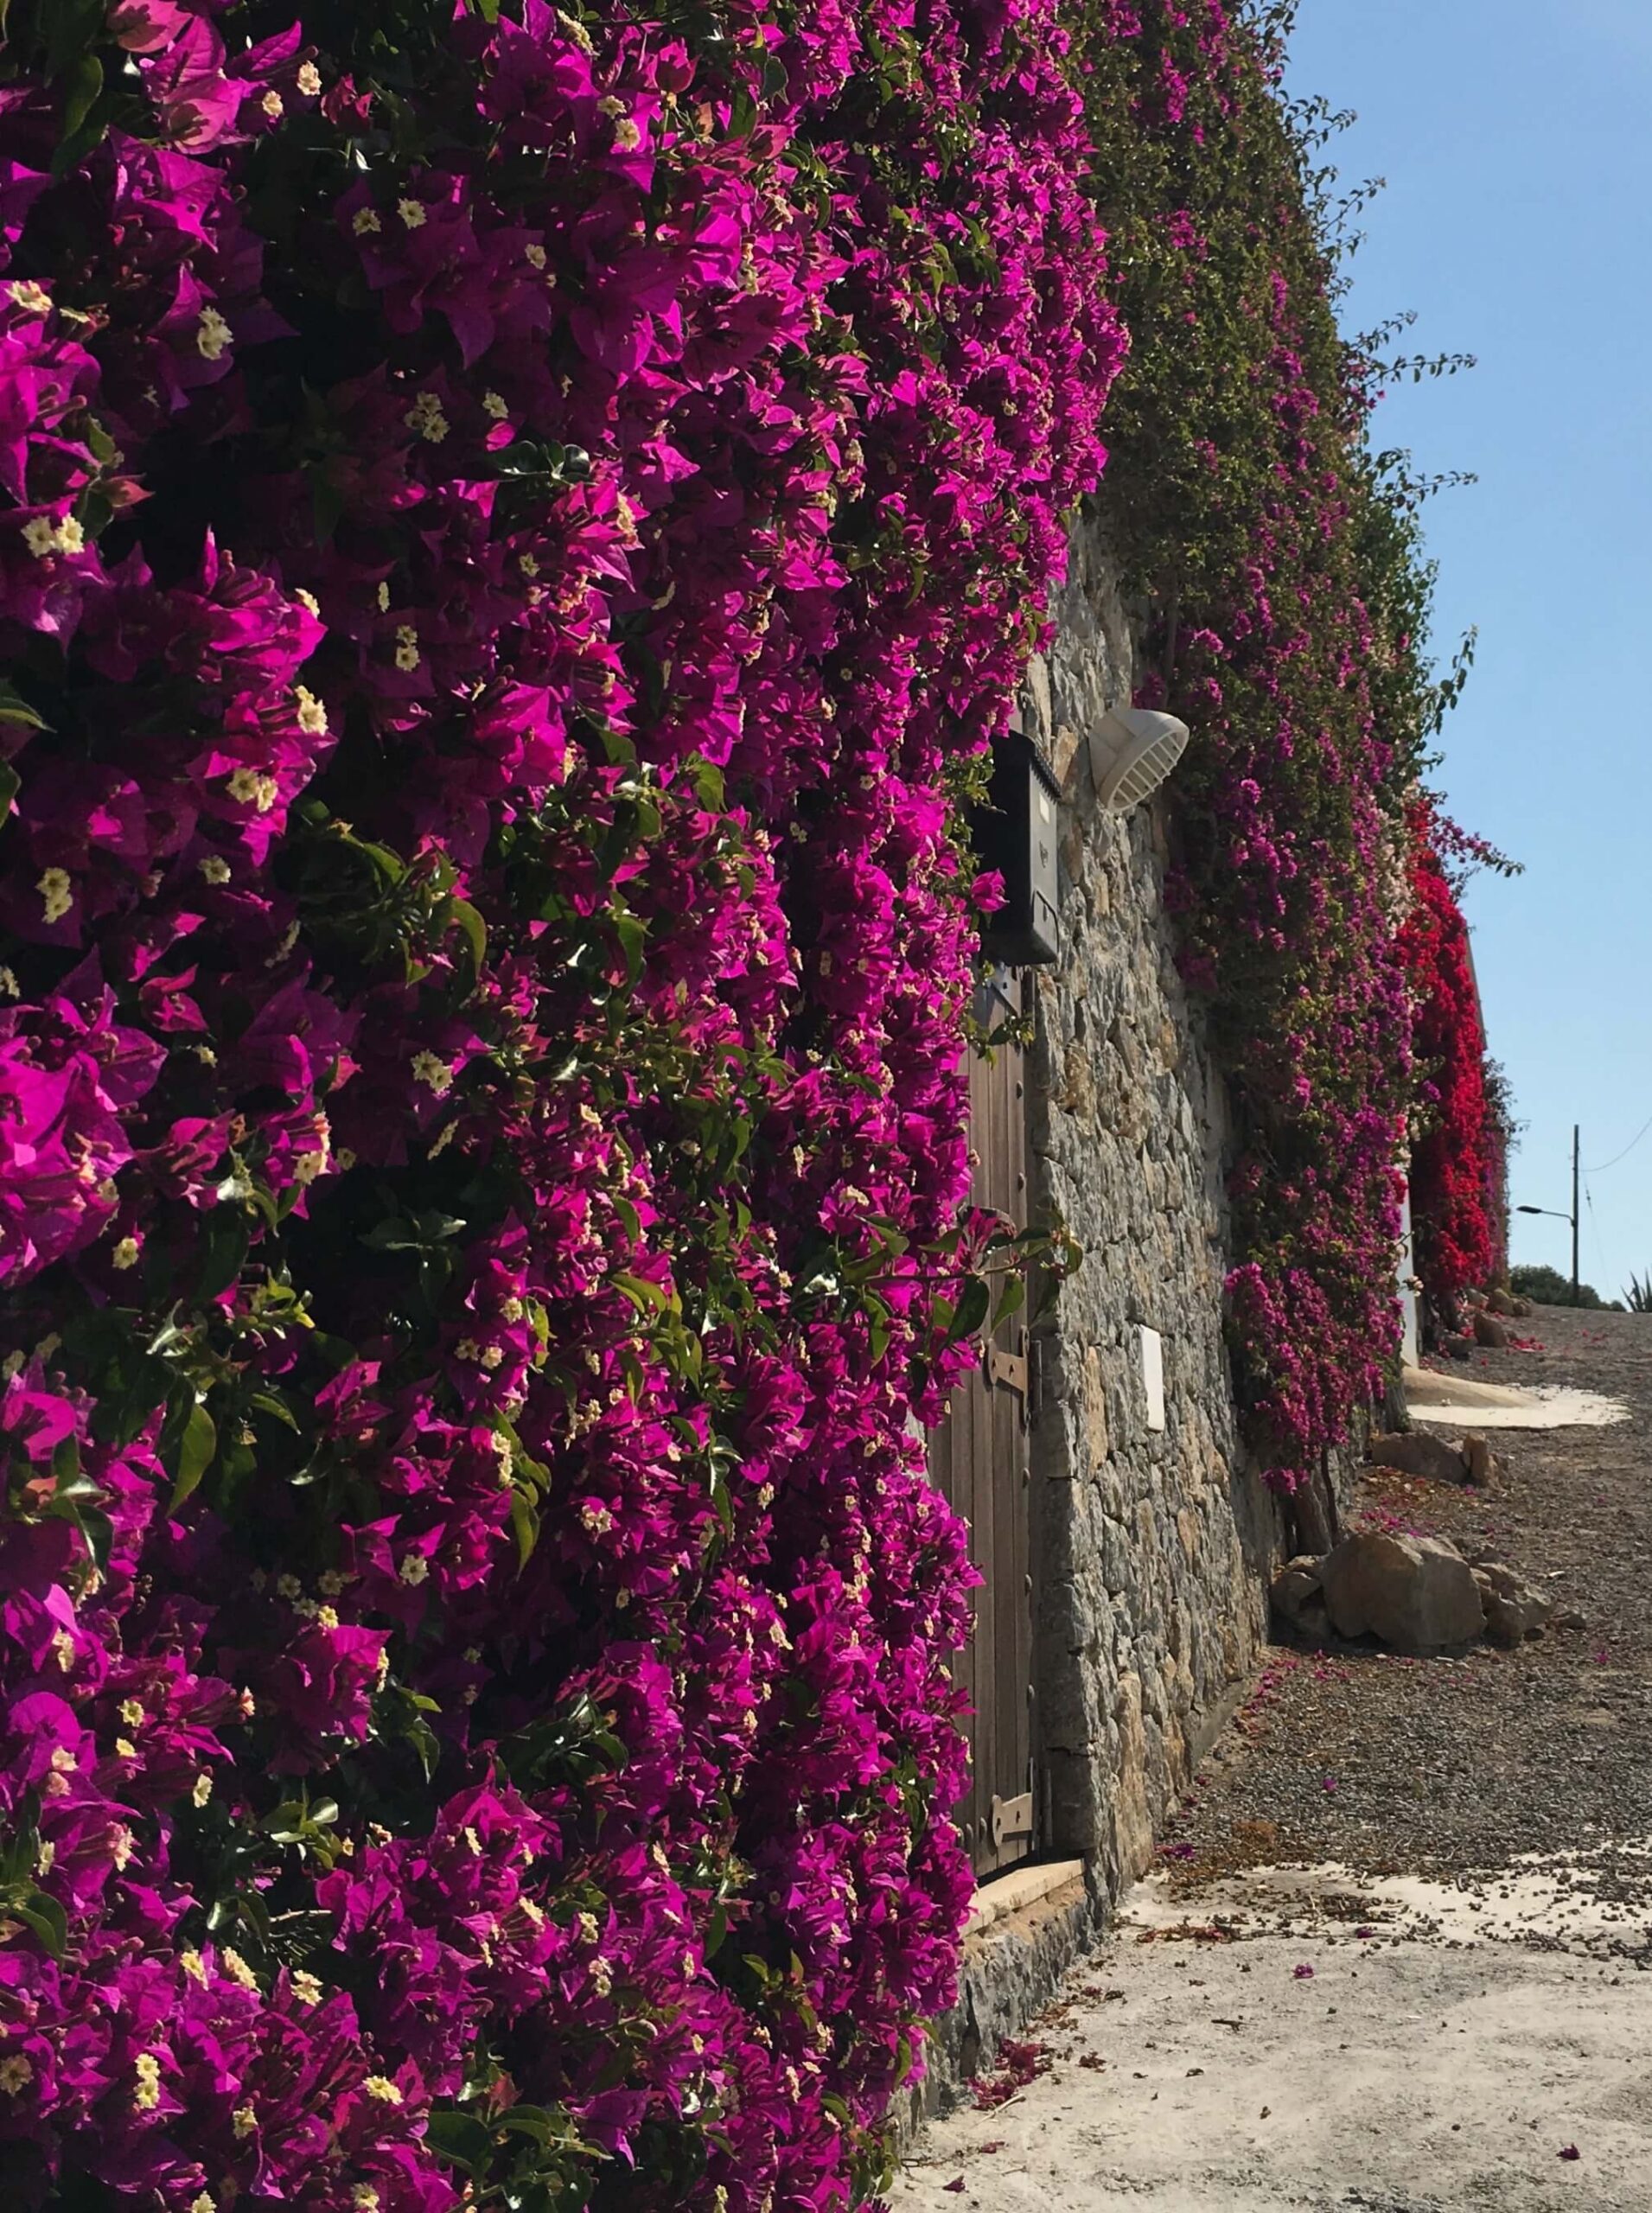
1572 1216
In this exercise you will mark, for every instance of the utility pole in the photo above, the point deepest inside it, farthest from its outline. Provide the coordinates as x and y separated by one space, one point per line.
1574 1217
1576 1157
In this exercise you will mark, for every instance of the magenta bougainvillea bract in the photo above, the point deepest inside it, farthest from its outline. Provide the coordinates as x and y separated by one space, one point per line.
507 525
515 533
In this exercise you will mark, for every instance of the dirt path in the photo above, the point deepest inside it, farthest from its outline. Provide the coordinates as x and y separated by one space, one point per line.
1397 1956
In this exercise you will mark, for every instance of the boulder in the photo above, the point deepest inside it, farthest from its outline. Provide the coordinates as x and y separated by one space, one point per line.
1418 1594
1312 1624
1458 1347
1415 1452
1501 1302
1490 1332
1521 1308
1478 1462
1295 1588
1514 1608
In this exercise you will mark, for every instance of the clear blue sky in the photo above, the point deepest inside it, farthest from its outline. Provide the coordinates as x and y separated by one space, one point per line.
1516 139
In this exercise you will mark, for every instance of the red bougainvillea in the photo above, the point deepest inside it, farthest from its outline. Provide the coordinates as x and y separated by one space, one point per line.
1457 1158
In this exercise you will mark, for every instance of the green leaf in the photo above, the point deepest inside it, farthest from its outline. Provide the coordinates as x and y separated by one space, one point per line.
84 89
46 1918
463 917
70 27
195 1450
98 1531
642 1293
632 934
460 2139
525 1523
269 1402
973 1304
708 781
226 1234
722 1505
85 85
878 1317
531 2121
14 708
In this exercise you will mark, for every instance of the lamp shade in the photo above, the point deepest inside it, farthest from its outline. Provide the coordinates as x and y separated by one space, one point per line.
1131 752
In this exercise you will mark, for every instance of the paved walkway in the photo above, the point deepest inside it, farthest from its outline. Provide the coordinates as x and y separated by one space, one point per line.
1396 1957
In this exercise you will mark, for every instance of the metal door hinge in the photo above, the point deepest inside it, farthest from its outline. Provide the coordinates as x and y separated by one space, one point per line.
1007 1371
1011 1817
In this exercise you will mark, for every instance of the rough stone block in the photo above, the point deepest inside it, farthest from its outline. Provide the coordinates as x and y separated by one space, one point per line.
1415 1452
1515 1609
1296 1587
1417 1594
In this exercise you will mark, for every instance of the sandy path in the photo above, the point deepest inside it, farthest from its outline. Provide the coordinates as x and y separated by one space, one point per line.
1411 2073
1460 1851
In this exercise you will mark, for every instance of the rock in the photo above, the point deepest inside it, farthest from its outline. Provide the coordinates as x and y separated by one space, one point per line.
1502 1302
1478 1465
1312 1624
1521 1308
1257 1835
1513 1608
1571 1619
1418 1594
1295 1587
1458 1347
1416 1453
1489 1331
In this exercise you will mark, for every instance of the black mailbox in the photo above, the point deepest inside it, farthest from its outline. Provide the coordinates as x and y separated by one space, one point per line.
1015 834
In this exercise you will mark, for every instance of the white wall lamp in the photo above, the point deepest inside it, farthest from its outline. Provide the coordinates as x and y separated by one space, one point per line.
1132 751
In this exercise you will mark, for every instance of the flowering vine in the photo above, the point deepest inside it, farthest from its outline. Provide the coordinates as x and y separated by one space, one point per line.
518 527
515 529
1290 607
1458 1159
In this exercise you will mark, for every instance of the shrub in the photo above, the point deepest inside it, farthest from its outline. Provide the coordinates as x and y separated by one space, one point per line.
1547 1286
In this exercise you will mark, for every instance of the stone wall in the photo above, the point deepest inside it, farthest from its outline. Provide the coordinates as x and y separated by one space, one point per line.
1154 1548
1153 1545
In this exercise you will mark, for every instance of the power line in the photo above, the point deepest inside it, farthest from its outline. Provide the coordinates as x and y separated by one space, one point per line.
1625 1153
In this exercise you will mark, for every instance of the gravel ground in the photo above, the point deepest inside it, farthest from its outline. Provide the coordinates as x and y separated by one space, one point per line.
1395 1956
1447 1766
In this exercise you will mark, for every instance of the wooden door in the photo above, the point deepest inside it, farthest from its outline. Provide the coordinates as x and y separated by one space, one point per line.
980 1460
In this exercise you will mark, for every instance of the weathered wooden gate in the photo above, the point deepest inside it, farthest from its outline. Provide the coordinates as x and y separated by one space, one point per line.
981 1460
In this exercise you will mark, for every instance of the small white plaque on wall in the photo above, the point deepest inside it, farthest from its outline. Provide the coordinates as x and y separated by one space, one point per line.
1152 1375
